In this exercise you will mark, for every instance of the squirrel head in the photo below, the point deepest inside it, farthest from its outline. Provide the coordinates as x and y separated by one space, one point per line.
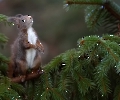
22 21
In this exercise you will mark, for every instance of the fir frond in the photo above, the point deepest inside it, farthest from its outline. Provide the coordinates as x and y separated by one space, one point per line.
5 84
68 59
56 94
112 38
93 22
64 84
118 67
39 86
89 2
55 63
3 38
45 95
3 59
100 13
6 92
117 93
3 68
87 44
18 88
84 85
101 76
3 64
3 19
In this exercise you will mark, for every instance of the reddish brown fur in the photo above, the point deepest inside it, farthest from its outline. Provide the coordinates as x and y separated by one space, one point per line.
17 65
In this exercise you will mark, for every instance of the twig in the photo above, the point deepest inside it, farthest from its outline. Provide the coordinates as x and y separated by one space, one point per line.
106 5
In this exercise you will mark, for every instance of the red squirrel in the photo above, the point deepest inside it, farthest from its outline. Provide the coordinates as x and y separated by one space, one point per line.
26 48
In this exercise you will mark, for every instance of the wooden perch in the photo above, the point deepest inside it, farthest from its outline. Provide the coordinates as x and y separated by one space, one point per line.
30 76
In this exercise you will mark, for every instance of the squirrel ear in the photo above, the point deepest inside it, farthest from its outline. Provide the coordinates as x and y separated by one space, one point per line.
15 20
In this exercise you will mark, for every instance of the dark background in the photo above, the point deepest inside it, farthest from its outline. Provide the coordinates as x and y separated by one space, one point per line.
57 28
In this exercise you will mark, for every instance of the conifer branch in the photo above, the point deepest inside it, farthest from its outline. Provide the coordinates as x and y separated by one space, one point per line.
4 59
3 18
83 2
57 94
110 51
109 9
106 6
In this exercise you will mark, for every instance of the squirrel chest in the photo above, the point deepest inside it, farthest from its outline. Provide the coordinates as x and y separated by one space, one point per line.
31 53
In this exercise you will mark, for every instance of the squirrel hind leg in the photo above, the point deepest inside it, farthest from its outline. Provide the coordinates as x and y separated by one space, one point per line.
10 70
21 69
21 66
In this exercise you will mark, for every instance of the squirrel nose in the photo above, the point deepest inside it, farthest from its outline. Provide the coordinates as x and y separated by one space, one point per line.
30 17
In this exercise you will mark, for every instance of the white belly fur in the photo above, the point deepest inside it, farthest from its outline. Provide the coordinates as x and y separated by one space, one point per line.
31 53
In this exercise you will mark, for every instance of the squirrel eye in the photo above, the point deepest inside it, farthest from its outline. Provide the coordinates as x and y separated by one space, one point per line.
23 20
28 15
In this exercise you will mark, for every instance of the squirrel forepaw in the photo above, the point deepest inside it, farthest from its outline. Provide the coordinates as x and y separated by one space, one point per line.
41 49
